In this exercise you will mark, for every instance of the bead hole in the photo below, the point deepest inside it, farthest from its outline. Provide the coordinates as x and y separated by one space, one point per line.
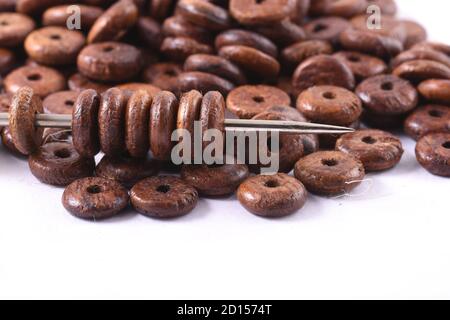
271 184
69 103
329 162
62 153
329 95
55 37
34 77
353 58
435 113
4 23
170 73
387 86
163 188
108 49
369 140
94 189
320 27
258 99
446 145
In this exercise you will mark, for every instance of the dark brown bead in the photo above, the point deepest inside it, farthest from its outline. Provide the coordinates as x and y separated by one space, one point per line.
95 198
435 90
61 102
8 5
125 170
15 28
42 80
421 70
203 82
437 46
177 26
59 164
163 197
85 123
415 33
246 38
58 16
323 70
247 101
215 65
132 87
433 153
111 122
362 65
163 115
54 46
346 8
253 12
7 61
163 75
179 48
137 115
160 9
377 150
272 196
114 22
215 180
283 33
301 11
212 114
32 7
426 119
329 105
297 53
329 173
205 14
188 112
78 82
110 61
149 33
387 95
326 28
25 105
420 54
251 60
370 43
8 143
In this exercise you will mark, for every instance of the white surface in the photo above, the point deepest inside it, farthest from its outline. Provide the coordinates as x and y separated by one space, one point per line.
391 243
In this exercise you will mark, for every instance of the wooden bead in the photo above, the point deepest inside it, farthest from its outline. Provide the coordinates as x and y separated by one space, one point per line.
137 115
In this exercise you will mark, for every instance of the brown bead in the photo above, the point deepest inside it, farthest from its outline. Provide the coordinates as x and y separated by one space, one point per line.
179 48
188 112
110 61
415 33
32 7
85 123
163 75
301 11
247 101
78 82
433 153
58 16
420 54
215 180
132 87
8 5
272 196
300 51
329 173
370 43
61 102
149 33
14 28
42 80
59 164
212 114
388 7
111 122
342 8
7 61
420 70
160 9
163 115
177 26
22 115
251 60
326 28
426 119
387 95
252 12
290 146
238 37
436 46
8 143
362 65
204 14
282 33
114 22
203 82
95 198
323 70
125 170
329 105
435 90
163 197
215 65
54 46
137 115
377 150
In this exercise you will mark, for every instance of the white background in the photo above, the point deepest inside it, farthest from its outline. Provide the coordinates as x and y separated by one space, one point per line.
393 242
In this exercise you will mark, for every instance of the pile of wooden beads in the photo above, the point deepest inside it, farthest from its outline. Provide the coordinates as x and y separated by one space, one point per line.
257 59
